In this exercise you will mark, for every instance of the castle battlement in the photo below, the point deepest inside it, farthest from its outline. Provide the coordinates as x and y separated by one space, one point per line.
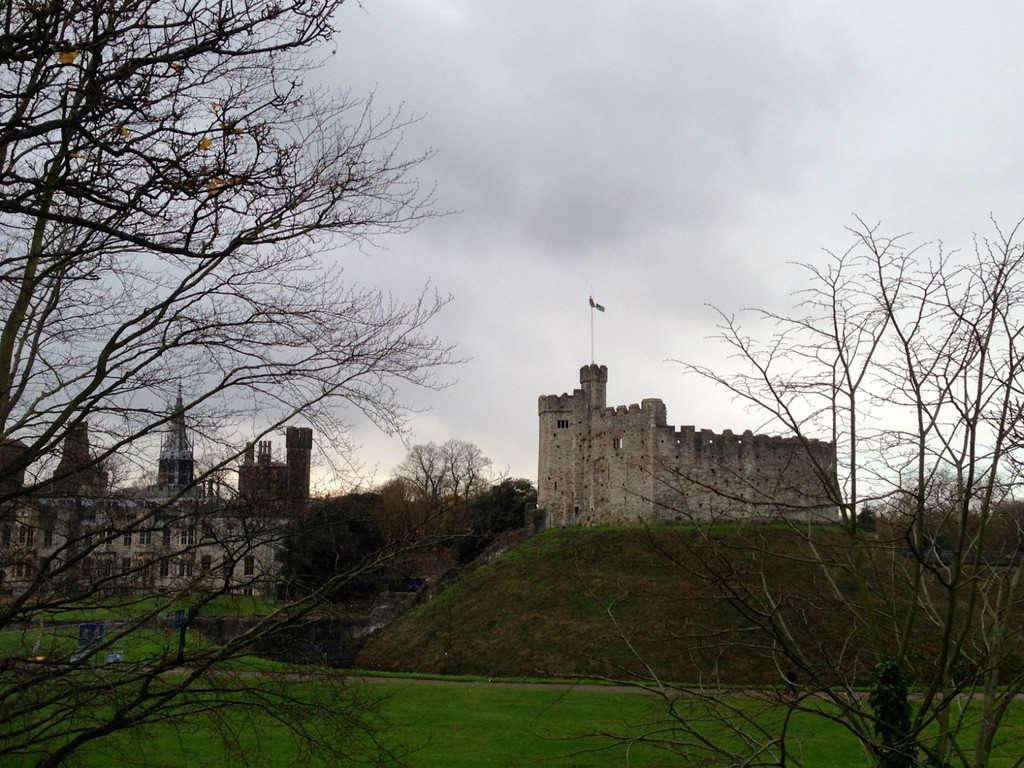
625 464
561 402
747 438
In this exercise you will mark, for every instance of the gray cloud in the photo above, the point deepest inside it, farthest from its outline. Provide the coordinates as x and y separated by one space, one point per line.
666 155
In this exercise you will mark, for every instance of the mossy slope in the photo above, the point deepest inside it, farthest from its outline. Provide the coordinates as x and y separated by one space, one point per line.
600 601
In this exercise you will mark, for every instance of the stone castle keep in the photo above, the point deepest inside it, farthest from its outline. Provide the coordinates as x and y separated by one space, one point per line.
626 465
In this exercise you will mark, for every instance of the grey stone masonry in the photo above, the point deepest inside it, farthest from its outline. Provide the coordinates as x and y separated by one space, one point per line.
626 465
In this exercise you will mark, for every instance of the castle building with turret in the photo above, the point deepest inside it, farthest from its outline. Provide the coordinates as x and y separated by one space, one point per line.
176 534
626 465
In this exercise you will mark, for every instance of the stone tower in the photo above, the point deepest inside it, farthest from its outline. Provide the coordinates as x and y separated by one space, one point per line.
78 473
298 448
594 381
176 469
565 473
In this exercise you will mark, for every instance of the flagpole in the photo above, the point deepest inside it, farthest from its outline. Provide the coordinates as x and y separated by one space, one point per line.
600 308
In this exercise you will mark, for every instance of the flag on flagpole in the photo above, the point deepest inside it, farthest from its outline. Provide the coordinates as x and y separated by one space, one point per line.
595 305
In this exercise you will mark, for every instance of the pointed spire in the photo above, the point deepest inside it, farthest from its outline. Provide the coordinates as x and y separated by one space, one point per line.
177 465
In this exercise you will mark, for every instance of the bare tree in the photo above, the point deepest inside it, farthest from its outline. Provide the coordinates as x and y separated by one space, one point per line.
466 471
444 477
909 359
171 195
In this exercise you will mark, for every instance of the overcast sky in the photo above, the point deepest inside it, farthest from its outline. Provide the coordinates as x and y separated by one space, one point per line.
667 156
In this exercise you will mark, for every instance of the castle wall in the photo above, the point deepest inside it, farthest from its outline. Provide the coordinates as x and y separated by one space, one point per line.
627 465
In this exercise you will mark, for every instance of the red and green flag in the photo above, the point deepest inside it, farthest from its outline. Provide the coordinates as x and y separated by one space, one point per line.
595 305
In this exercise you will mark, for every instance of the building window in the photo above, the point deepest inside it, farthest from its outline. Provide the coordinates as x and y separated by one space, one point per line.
188 537
25 535
48 537
250 566
127 539
167 537
563 423
207 563
146 537
617 443
165 568
126 564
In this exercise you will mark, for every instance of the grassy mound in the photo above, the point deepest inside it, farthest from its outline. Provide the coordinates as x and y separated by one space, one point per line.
602 601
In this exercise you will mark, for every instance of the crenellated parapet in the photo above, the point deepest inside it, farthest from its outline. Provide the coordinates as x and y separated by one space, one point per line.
563 402
728 444
649 411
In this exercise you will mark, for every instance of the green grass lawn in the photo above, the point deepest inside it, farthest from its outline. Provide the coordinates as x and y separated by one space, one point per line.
54 636
476 725
131 605
448 726
473 725
56 643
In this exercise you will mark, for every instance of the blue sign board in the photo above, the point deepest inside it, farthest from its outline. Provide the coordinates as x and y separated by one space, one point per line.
90 632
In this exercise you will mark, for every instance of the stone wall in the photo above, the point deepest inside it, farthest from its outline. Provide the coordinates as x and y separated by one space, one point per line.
627 465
